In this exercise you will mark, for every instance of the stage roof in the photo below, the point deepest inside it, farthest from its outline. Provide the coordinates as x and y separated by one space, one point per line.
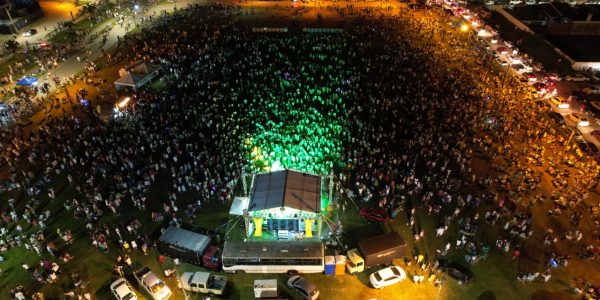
286 189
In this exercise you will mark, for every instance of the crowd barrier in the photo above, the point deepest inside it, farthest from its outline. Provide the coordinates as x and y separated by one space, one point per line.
269 29
322 30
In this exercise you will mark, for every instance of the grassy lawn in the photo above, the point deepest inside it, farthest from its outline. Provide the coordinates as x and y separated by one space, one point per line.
63 36
494 277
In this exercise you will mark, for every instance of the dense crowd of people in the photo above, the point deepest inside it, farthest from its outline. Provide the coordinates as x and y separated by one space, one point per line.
407 113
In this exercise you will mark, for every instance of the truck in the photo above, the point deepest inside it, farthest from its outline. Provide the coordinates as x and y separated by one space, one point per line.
155 287
189 246
204 282
379 250
265 288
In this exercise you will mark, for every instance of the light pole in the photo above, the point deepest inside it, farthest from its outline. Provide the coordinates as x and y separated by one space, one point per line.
136 7
11 19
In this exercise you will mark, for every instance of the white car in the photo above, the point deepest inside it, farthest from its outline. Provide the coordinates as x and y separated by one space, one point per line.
387 276
515 60
501 62
553 77
515 2
530 2
576 78
579 119
122 290
490 2
595 89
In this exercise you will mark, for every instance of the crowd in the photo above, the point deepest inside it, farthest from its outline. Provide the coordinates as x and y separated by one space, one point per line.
406 112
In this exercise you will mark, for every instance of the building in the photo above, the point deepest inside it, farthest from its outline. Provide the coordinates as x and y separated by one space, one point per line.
572 31
284 205
16 14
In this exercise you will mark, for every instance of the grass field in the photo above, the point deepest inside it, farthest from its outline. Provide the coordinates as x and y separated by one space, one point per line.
494 277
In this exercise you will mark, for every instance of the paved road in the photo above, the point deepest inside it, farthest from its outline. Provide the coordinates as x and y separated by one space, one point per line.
54 13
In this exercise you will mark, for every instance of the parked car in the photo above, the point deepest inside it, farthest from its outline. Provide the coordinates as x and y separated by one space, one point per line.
530 2
577 136
122 290
595 89
306 288
30 32
387 276
377 215
582 146
530 77
543 105
592 149
576 78
461 273
204 282
558 118
152 284
553 77
490 2
560 102
501 62
596 134
579 119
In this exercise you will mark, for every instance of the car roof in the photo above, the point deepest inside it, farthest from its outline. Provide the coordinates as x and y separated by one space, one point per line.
386 273
121 287
304 284
151 279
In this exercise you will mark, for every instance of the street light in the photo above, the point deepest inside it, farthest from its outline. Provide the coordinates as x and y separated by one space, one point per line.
464 27
136 7
11 19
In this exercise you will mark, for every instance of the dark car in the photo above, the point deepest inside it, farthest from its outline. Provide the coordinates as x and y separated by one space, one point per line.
459 272
596 134
306 288
377 215
543 105
556 117
592 149
583 146
30 32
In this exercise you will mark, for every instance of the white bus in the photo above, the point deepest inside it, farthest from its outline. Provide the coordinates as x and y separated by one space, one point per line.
273 257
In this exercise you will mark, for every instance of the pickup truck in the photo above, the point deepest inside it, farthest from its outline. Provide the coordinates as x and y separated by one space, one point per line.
203 282
152 284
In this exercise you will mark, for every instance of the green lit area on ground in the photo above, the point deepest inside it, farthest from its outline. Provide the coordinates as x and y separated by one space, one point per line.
300 124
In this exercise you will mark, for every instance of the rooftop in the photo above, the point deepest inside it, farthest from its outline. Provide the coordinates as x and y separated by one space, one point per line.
578 47
293 189
556 10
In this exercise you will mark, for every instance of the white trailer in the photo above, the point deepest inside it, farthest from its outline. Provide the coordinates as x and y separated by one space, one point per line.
265 288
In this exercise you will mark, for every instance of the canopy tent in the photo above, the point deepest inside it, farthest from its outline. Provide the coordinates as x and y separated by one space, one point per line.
27 81
137 76
238 206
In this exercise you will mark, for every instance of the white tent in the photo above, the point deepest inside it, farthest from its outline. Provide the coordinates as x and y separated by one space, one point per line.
238 206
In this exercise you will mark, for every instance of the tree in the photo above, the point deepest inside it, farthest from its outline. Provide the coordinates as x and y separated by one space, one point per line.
89 8
69 24
11 46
